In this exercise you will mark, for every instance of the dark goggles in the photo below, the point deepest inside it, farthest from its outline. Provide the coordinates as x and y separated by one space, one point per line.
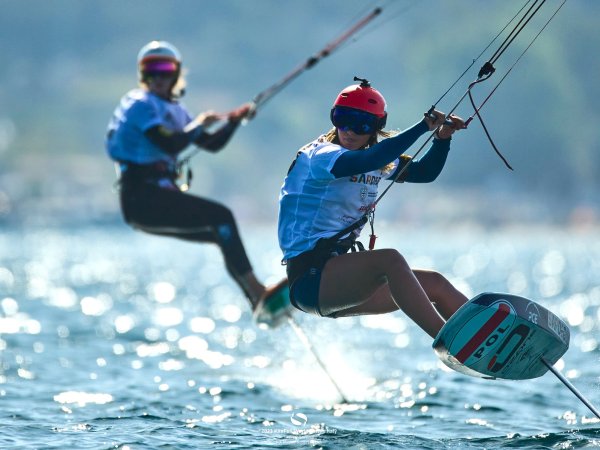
360 122
159 69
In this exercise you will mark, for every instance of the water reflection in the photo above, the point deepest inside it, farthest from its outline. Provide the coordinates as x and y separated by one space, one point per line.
162 292
82 399
15 322
122 320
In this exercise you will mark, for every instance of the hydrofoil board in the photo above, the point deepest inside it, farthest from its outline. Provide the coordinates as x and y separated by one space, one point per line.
497 335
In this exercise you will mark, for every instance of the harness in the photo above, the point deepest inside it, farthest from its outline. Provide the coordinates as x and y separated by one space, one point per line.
325 249
160 173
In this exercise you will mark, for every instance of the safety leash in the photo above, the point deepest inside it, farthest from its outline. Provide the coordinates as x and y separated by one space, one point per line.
488 66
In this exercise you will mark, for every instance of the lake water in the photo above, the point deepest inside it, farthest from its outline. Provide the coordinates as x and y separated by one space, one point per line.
112 339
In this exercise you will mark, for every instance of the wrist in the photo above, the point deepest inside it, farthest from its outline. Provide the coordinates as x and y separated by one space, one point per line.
436 135
422 126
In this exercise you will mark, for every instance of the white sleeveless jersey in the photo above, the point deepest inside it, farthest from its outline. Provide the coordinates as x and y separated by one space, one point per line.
313 204
137 112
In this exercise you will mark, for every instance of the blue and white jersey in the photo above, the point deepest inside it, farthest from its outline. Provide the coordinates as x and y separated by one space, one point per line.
138 111
313 204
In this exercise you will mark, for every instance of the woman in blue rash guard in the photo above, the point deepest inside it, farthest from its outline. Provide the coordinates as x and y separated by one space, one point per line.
147 132
331 184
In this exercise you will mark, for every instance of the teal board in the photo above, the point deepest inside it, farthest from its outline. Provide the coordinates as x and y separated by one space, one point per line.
497 335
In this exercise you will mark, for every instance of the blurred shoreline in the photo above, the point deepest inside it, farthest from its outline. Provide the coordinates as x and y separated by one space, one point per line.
79 191
74 62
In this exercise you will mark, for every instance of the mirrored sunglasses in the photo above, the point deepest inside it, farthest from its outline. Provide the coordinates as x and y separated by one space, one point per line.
159 68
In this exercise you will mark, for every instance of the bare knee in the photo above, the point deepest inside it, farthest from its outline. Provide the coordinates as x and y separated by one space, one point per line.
392 260
434 283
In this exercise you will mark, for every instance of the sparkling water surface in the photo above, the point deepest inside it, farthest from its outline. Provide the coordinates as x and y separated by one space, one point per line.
112 339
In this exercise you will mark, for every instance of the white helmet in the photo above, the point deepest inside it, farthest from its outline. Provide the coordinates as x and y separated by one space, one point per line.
158 57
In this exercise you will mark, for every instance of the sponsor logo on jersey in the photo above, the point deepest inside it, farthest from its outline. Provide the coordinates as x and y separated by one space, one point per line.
363 193
365 179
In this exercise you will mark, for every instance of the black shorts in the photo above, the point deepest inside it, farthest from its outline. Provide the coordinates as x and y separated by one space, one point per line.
304 292
304 275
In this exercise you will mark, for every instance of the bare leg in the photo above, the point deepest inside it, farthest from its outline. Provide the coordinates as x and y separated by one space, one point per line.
380 302
356 282
444 296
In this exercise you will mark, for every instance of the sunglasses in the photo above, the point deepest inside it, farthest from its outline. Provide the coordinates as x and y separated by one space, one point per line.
360 122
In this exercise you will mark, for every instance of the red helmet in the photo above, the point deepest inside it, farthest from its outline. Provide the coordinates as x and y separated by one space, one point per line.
363 97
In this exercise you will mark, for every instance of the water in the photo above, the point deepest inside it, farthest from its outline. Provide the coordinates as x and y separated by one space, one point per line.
111 339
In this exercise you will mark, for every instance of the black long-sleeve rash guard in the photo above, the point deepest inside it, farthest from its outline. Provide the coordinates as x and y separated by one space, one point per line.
173 142
423 170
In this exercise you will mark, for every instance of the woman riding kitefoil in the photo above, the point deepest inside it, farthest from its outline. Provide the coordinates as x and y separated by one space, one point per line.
147 132
330 186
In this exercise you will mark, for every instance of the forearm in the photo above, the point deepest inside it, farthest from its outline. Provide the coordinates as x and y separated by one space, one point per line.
169 141
427 168
214 142
378 155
